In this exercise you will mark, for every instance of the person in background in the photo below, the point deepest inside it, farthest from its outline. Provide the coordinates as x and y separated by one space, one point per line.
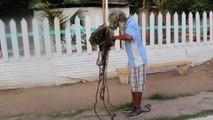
137 57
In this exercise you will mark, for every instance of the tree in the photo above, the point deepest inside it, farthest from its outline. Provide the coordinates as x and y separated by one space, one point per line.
189 5
137 4
156 5
16 9
172 5
159 5
202 5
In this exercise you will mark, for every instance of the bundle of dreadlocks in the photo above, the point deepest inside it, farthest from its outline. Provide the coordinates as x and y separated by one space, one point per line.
103 37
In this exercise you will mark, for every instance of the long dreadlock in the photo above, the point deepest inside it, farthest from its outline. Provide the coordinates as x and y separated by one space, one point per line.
103 37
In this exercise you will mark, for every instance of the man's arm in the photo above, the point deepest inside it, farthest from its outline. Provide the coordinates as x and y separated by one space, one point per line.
124 37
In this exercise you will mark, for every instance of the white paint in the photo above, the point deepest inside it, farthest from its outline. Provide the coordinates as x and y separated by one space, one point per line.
78 35
176 31
68 39
25 39
57 36
136 17
211 27
198 28
144 29
47 38
183 16
3 42
160 30
191 28
15 45
204 27
117 42
168 29
88 33
152 30
36 39
26 74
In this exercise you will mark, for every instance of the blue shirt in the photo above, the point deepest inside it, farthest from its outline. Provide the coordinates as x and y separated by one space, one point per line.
135 50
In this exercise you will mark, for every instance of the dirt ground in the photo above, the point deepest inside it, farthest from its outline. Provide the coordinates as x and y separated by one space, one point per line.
45 100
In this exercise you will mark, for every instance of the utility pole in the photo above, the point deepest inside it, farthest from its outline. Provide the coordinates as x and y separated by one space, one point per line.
105 10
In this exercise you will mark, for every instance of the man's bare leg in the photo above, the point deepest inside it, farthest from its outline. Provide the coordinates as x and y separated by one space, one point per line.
137 97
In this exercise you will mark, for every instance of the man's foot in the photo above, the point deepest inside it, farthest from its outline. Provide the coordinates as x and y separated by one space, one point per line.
134 113
128 109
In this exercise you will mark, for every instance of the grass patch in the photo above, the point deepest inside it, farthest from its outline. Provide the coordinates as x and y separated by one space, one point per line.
57 115
119 107
209 90
185 117
157 96
68 114
5 117
162 96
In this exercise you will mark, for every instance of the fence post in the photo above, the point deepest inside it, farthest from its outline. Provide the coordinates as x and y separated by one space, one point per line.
117 42
47 38
191 25
88 33
57 36
211 27
3 42
168 29
14 38
78 35
198 28
68 39
25 39
152 30
176 31
144 29
36 39
136 18
160 32
183 28
204 27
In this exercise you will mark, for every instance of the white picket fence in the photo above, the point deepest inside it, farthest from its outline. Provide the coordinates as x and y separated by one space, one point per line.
38 60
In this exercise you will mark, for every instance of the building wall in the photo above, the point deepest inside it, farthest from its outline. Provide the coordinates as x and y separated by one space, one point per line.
90 11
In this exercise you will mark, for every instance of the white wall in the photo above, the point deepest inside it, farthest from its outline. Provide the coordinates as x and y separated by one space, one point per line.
57 67
61 70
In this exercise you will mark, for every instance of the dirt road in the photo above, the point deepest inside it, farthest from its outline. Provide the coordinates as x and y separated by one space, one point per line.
81 96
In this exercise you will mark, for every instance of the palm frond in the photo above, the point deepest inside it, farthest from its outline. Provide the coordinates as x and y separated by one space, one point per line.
78 13
157 2
38 4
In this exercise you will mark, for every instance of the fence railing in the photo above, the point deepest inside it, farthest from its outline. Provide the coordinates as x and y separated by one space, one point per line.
46 40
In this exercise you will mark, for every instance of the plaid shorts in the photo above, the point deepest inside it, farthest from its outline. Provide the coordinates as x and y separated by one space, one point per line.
137 77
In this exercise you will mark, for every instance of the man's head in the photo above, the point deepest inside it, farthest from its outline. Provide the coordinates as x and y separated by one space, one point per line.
117 18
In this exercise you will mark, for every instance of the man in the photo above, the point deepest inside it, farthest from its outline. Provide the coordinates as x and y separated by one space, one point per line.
137 57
